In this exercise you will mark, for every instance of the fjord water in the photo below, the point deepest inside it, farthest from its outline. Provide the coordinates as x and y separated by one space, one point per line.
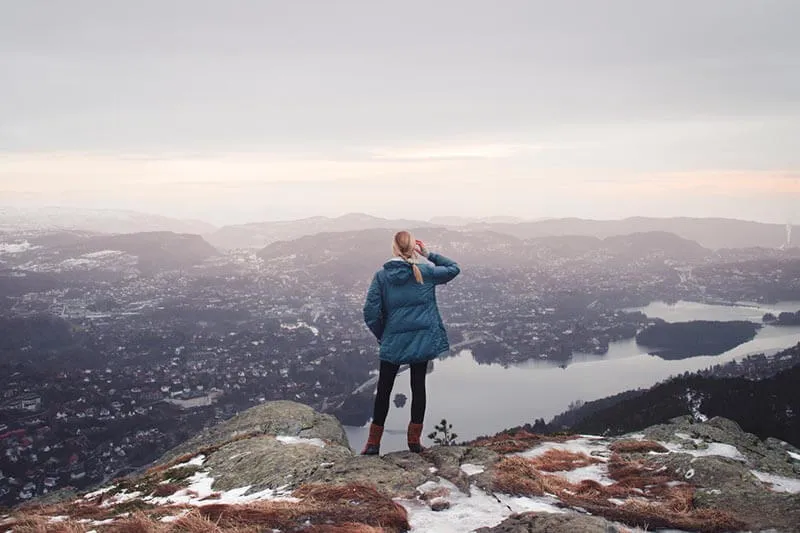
484 399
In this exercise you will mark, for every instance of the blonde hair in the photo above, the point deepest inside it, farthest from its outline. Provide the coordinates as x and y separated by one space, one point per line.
403 247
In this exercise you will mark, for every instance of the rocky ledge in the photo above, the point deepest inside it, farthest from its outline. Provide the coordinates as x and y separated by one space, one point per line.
283 467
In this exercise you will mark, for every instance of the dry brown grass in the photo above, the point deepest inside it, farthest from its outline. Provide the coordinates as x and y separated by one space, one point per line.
350 508
651 502
42 524
562 460
519 476
637 473
166 489
637 446
505 443
344 528
321 505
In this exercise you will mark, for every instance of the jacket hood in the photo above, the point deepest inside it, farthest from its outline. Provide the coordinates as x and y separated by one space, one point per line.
397 272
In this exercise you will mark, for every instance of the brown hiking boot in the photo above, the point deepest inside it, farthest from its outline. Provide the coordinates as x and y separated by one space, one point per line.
373 445
414 435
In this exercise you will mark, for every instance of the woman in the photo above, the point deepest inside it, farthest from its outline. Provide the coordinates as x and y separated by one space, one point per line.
401 312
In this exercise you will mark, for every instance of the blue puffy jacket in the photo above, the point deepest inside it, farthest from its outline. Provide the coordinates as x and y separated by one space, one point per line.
402 314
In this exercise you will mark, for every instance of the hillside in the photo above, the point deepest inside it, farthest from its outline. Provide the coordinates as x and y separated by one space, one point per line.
764 407
355 254
83 253
713 233
260 234
283 467
155 250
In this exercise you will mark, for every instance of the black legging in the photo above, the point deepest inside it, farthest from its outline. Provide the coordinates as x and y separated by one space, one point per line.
385 384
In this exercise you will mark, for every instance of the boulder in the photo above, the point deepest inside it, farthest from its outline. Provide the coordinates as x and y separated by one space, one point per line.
272 418
391 476
768 456
264 462
729 485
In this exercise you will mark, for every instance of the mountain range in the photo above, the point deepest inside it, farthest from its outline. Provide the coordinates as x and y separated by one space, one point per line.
712 233
347 256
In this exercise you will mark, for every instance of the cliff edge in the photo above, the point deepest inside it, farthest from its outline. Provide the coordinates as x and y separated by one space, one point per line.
281 466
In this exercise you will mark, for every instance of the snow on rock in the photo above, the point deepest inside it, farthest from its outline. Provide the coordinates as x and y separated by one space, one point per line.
472 470
522 504
97 493
200 492
301 440
779 483
467 513
794 456
694 401
714 448
121 497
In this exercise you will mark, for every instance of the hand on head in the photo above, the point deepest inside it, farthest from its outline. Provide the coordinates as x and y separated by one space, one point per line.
421 249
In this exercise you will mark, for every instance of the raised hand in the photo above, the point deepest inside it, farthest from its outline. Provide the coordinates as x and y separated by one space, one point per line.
421 249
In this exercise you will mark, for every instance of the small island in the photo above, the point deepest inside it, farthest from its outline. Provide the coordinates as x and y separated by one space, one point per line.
783 319
681 340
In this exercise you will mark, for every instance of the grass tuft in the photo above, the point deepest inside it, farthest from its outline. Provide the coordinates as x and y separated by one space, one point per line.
562 460
637 446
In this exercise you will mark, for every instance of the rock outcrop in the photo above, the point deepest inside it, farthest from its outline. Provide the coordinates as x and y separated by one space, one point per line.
284 466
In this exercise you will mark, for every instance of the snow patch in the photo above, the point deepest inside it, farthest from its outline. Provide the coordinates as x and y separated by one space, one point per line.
121 497
467 513
103 253
300 440
694 401
200 492
97 493
714 448
779 483
795 456
588 446
598 473
301 324
16 247
472 470
194 461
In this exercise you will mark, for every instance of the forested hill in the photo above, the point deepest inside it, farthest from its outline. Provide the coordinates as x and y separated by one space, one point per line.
663 400
768 407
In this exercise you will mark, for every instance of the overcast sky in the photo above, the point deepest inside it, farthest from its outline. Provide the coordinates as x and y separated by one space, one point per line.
235 111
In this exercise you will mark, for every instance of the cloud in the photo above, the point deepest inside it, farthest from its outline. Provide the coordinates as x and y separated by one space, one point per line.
721 182
453 151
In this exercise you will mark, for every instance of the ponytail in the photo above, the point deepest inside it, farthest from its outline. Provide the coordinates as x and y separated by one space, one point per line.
417 273
403 247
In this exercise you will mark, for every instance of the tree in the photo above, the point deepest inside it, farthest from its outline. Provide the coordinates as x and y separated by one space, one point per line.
444 436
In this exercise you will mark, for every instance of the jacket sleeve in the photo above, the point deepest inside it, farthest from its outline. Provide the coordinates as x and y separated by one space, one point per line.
444 270
373 309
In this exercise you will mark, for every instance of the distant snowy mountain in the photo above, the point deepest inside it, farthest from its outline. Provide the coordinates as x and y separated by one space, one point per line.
95 220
